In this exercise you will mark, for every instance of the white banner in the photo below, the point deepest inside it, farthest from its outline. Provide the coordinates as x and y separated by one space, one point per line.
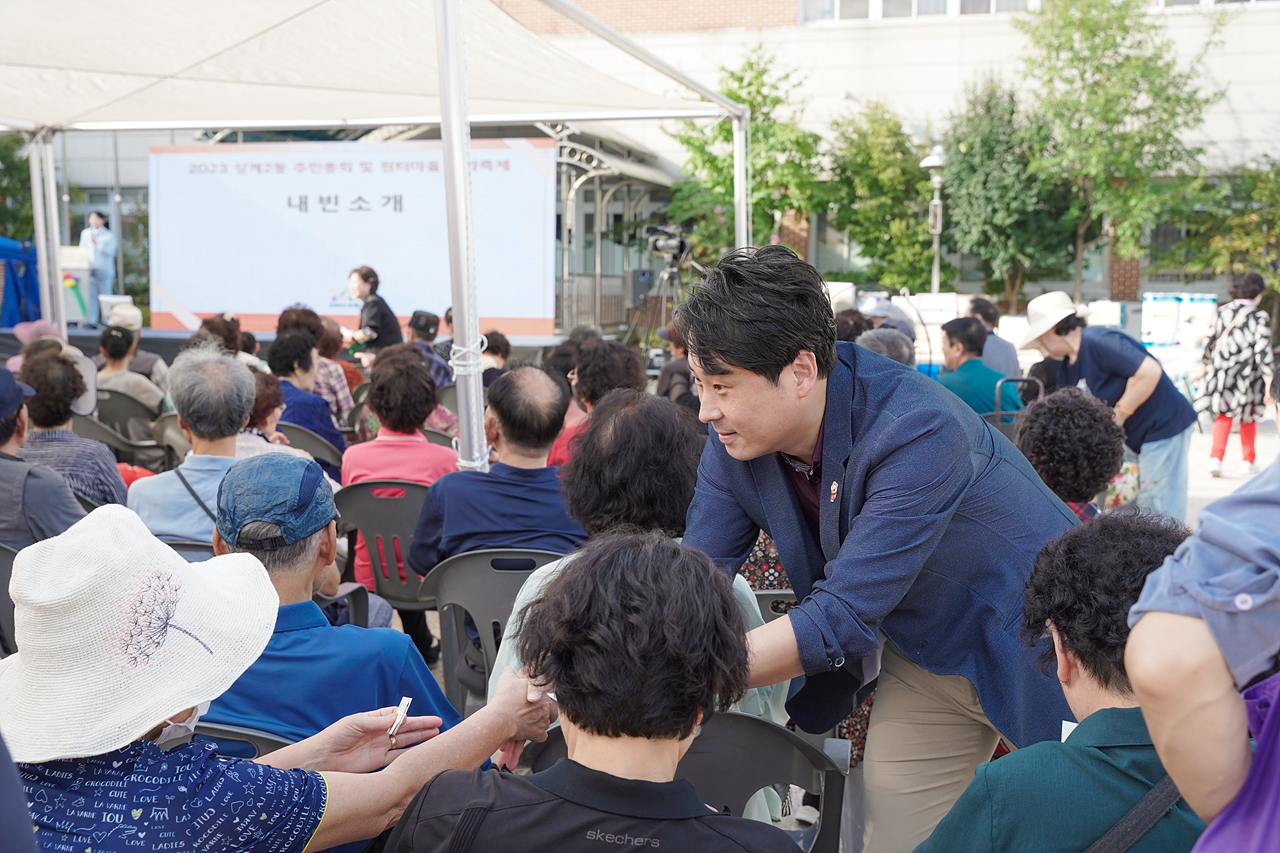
254 228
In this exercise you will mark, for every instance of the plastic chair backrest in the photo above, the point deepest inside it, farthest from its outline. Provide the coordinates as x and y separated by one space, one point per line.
315 444
765 599
8 643
360 392
484 584
192 552
1004 421
448 397
435 436
387 523
168 434
98 431
262 742
357 598
735 755
116 409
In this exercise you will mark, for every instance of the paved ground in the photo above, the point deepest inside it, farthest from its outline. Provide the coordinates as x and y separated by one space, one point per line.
1202 488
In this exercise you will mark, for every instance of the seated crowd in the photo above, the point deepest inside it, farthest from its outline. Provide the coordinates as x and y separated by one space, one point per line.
644 628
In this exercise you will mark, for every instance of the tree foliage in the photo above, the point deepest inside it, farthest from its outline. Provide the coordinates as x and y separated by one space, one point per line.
783 159
1019 221
1117 108
1238 229
879 195
15 189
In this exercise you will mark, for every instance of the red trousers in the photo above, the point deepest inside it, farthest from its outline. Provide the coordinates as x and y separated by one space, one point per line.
1221 431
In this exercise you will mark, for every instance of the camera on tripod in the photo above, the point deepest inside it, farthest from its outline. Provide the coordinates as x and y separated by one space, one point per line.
668 241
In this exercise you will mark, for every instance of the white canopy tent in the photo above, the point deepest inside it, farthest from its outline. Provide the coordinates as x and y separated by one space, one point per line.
273 64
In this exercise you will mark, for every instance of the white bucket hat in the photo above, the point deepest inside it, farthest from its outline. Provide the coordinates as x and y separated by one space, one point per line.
1044 312
117 633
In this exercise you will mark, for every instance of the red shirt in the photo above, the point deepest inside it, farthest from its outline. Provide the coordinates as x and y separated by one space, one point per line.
562 450
393 456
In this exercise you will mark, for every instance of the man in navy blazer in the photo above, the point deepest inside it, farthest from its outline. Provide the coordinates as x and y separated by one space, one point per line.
907 526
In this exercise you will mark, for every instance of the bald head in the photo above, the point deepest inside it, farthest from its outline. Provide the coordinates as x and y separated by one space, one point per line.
529 406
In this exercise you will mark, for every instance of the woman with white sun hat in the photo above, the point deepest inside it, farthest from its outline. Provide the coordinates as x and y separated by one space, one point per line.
122 644
1116 369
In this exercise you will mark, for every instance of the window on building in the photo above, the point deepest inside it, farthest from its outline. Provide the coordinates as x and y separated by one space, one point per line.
1010 5
828 10
854 9
896 9
975 7
931 7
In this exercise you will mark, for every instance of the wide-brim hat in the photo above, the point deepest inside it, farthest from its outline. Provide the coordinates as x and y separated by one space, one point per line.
116 633
1044 312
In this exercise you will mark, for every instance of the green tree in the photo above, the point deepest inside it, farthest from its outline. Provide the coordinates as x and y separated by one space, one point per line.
782 160
15 189
1019 221
1117 106
1238 229
879 195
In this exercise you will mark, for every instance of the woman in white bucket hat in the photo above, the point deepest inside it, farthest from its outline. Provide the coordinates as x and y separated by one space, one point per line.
1116 369
122 643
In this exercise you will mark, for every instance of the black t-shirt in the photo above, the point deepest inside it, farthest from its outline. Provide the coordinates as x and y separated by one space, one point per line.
572 808
379 319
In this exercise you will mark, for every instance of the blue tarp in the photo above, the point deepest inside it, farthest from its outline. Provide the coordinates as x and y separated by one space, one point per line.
21 284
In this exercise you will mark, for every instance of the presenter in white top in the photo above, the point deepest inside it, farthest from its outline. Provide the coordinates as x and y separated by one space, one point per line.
101 245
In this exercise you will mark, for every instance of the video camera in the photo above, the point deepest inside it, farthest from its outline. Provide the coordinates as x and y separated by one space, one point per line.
668 241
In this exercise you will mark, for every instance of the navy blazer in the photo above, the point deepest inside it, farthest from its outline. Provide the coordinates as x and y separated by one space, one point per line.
928 536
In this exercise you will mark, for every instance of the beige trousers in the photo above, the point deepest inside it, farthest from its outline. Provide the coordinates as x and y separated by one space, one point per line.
926 736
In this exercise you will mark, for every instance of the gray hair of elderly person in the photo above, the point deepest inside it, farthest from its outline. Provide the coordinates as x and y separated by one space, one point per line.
889 343
297 558
212 391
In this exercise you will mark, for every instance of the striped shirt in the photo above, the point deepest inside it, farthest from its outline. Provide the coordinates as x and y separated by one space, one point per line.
88 466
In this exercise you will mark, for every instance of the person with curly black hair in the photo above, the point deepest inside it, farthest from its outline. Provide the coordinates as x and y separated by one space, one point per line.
1075 445
1068 795
643 641
600 367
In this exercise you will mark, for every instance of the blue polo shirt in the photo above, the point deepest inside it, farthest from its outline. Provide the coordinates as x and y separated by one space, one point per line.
305 409
505 508
975 383
1107 359
312 674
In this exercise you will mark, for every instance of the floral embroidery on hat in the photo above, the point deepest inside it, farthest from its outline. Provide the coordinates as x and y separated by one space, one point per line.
149 618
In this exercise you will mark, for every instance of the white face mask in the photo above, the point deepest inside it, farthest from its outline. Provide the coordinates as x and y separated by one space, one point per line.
176 731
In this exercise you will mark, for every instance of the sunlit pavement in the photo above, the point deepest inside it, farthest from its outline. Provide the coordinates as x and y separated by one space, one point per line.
1202 488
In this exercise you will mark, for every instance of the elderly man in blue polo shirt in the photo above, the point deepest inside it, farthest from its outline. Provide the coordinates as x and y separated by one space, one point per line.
280 509
906 524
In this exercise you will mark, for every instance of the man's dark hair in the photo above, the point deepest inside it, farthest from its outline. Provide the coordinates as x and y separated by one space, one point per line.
115 342
605 365
635 465
1246 285
448 316
561 359
248 343
1069 323
9 425
226 328
639 635
757 309
497 344
290 353
266 397
402 394
1073 441
968 332
368 276
1086 580
529 405
985 310
58 383
850 323
300 318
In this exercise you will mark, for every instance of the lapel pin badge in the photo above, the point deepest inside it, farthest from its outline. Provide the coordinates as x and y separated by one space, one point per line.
835 487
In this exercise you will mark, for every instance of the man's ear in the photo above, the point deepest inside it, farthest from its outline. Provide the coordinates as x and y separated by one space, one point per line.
219 546
804 371
329 544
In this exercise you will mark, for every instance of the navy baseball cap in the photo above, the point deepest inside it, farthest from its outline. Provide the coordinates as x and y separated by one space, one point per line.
424 323
277 488
12 393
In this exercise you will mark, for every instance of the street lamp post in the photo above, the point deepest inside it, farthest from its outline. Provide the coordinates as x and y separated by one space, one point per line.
934 162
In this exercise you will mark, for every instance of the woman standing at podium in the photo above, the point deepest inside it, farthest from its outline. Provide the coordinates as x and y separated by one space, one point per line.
378 326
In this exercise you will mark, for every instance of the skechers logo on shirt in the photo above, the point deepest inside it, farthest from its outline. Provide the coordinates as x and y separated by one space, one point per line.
626 840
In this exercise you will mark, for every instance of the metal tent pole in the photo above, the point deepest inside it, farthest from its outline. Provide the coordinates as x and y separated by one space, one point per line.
51 229
740 113
473 449
34 161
